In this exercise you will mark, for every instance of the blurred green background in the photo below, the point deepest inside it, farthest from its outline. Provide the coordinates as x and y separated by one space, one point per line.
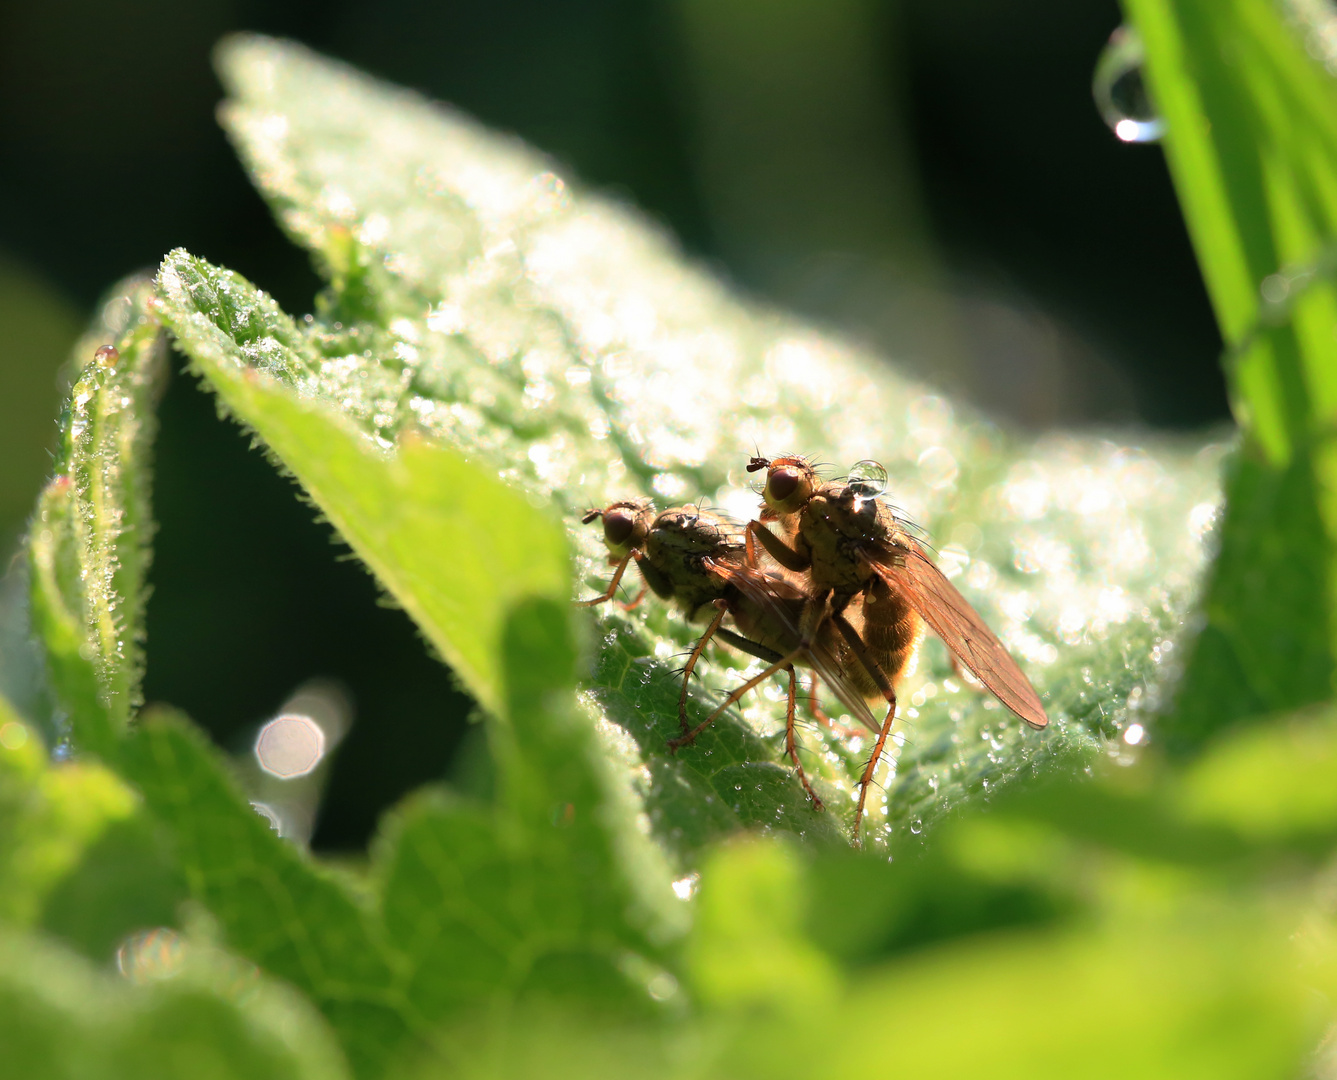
930 178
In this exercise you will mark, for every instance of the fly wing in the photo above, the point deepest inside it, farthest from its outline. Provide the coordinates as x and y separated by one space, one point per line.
776 600
915 575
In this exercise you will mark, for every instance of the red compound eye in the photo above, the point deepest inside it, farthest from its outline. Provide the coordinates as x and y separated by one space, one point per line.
618 526
782 483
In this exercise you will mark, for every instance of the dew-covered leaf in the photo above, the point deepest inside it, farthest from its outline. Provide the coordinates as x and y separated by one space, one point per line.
478 301
453 545
89 542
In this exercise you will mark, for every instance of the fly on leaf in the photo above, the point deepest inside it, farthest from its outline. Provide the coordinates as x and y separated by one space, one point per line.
696 559
860 560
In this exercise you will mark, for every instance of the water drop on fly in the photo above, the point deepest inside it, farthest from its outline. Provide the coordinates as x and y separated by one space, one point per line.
869 477
1120 93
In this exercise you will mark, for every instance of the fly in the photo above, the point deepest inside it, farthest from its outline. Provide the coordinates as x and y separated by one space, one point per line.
697 559
853 548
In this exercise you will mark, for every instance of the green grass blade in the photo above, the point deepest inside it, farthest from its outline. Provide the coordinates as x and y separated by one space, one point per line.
1252 144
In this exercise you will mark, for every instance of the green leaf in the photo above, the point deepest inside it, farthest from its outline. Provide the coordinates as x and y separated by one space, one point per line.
1203 989
553 896
553 893
60 1019
271 903
747 947
79 857
455 547
477 302
50 817
1252 145
1270 783
1213 1000
89 541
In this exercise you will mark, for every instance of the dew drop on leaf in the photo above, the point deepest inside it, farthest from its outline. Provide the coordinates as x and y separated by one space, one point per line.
1119 90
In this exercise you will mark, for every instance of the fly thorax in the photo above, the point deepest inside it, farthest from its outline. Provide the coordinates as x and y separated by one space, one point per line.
680 542
688 532
833 527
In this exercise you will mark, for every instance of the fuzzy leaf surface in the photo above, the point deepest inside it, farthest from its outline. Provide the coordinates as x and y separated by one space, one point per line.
478 302
89 544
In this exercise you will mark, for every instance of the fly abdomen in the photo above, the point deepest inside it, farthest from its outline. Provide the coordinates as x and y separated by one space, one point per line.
892 629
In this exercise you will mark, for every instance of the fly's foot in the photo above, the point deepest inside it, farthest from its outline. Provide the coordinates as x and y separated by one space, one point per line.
813 797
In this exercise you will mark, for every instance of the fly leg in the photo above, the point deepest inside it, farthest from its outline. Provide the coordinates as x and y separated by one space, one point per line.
791 744
871 767
612 585
819 714
874 669
722 609
815 611
632 605
778 550
783 664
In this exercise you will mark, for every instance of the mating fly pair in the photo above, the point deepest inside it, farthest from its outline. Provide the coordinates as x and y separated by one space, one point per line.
698 560
849 596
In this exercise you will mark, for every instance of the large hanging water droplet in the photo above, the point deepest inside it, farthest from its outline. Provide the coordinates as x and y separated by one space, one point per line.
869 477
1120 93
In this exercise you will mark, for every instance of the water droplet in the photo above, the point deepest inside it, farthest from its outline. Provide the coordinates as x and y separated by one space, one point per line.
151 955
916 826
269 814
869 477
290 746
662 986
1119 90
13 735
685 887
106 356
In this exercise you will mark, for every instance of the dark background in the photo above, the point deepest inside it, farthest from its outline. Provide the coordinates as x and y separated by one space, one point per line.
929 177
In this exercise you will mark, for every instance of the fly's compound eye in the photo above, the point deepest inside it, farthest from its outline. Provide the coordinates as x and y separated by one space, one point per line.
781 484
618 527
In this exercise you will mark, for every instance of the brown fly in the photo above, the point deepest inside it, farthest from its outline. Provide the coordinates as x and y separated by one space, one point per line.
697 559
854 548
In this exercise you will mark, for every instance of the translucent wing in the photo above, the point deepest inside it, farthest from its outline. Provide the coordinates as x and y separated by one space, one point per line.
780 604
910 571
